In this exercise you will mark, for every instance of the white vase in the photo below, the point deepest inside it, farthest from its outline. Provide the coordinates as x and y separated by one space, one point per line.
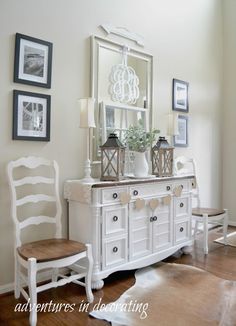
140 165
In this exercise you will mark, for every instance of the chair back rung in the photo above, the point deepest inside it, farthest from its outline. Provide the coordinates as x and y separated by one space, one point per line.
36 220
35 199
32 180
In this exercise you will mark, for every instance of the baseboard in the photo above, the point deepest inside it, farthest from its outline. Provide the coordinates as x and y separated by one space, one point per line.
232 223
42 277
6 288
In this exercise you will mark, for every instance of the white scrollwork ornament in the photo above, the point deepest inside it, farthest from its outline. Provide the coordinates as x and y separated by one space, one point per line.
124 82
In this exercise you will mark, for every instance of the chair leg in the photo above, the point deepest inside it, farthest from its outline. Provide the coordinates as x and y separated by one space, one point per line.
195 229
32 270
89 274
17 278
225 226
205 233
54 274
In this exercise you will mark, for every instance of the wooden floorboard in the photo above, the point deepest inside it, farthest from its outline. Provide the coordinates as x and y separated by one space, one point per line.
221 261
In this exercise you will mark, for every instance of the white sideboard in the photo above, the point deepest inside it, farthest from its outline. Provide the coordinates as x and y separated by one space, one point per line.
126 227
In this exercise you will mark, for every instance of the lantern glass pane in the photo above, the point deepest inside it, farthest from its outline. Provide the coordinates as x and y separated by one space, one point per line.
110 162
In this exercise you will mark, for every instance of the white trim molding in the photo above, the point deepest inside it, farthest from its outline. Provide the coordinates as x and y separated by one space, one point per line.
124 32
232 223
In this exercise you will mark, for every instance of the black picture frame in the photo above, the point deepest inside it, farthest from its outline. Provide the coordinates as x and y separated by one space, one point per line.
180 100
31 116
33 61
181 140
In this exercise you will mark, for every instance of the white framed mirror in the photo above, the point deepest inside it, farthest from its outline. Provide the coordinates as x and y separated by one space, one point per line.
108 114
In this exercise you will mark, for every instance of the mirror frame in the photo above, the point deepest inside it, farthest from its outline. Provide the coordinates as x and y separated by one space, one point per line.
96 44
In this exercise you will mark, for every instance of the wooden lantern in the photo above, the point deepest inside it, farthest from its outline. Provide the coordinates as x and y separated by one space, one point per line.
112 159
162 158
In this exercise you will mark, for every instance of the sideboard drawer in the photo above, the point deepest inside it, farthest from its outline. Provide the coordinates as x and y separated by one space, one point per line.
182 231
115 220
150 190
184 184
112 195
182 206
114 252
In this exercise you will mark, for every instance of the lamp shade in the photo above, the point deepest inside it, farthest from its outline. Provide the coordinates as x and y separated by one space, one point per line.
86 108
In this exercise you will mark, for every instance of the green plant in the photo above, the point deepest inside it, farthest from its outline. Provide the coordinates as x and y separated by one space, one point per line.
138 139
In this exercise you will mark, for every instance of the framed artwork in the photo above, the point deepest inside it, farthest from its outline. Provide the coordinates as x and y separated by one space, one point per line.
180 95
33 61
31 116
181 140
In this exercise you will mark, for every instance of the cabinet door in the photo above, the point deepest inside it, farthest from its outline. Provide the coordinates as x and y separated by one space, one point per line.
162 227
140 236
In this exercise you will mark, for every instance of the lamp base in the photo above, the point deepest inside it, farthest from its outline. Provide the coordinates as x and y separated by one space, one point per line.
87 172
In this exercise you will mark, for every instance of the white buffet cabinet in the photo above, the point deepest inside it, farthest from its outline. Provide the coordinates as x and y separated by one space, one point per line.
126 235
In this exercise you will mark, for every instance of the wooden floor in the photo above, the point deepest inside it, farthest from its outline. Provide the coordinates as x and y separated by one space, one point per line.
220 261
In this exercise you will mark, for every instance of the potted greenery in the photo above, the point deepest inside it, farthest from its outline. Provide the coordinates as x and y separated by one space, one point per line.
139 140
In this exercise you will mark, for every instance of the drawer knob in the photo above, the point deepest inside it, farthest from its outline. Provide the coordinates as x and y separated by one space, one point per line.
181 204
151 219
135 192
182 186
154 218
115 195
115 249
181 229
115 218
168 188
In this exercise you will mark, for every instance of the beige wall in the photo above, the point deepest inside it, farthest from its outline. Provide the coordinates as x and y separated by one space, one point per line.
185 39
229 108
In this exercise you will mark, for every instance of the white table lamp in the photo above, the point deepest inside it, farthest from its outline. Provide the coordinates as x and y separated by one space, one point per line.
86 107
173 129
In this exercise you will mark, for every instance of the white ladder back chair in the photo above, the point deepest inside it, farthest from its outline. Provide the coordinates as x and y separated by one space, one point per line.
203 215
51 253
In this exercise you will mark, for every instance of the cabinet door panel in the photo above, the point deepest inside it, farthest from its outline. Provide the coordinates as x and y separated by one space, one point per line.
140 232
162 228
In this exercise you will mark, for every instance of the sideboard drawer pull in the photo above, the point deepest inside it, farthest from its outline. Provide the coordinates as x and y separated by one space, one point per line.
151 219
181 229
115 195
182 186
115 218
135 192
181 204
154 218
168 188
115 249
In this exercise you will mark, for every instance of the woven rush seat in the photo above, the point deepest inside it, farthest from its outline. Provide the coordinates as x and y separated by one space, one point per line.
200 211
50 249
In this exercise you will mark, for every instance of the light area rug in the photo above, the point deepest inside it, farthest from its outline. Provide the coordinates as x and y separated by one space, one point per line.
231 239
173 295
